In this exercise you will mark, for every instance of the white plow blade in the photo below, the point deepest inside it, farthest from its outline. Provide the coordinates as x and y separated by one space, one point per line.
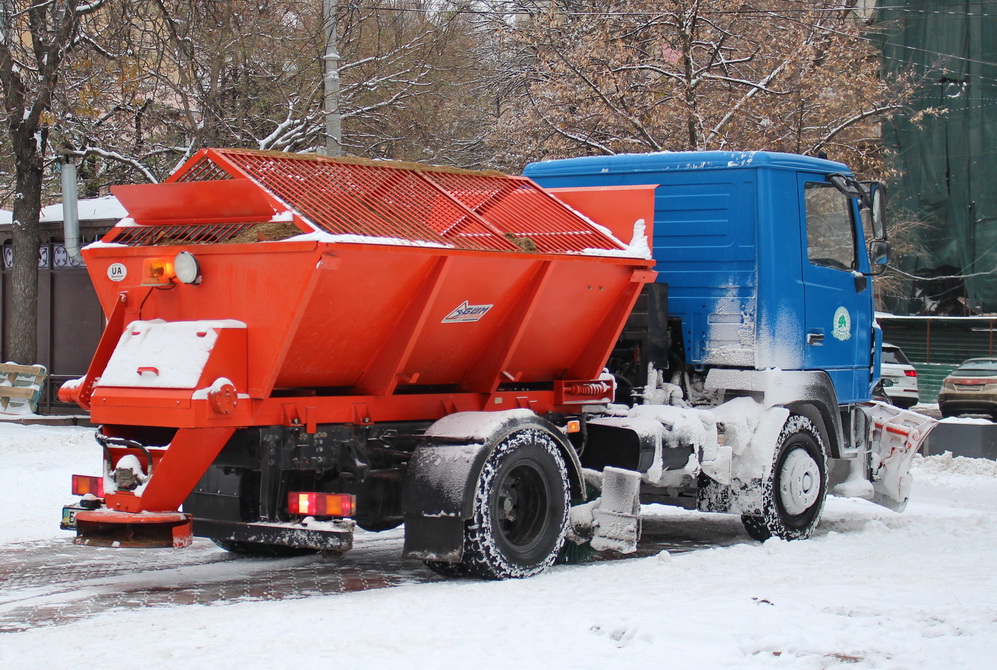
895 437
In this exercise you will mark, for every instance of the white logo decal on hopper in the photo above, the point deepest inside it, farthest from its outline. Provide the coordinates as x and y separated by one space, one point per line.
466 313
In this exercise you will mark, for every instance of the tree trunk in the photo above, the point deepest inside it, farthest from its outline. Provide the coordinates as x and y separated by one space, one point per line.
22 343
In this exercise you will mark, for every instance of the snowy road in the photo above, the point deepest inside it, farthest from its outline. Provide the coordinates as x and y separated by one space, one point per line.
872 589
55 582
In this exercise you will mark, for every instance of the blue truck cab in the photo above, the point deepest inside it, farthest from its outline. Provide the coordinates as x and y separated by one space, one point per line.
764 258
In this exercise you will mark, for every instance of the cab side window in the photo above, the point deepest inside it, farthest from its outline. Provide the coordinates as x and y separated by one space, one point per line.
830 230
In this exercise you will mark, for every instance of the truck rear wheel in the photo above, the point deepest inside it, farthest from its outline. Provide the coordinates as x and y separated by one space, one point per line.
520 513
794 491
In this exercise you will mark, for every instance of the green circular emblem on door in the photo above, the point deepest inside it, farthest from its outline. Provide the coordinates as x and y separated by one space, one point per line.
842 324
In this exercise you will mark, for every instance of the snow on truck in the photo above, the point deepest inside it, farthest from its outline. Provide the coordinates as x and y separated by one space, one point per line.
299 345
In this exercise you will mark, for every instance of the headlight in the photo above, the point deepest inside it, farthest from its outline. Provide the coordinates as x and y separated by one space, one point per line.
186 268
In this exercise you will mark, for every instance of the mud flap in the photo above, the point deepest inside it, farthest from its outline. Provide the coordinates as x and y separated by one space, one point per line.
895 435
436 499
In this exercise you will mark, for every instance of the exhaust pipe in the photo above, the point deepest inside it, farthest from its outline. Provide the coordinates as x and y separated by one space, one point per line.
70 210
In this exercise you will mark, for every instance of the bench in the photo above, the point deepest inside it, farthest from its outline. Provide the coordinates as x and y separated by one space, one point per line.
20 387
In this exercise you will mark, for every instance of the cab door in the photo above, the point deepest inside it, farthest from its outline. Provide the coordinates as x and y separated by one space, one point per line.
838 307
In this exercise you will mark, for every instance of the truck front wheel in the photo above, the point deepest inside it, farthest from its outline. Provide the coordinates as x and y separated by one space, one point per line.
794 491
520 508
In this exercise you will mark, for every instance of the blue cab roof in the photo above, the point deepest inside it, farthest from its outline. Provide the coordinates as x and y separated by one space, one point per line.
681 160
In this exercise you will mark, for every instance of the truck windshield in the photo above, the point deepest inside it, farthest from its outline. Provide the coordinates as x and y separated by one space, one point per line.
830 232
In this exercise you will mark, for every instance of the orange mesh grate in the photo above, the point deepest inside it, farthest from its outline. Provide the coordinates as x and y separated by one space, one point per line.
203 170
466 210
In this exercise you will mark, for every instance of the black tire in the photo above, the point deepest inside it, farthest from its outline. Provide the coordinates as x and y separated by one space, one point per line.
449 570
520 513
262 550
793 493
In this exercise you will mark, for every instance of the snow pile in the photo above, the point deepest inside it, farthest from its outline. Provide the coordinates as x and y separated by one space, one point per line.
966 420
36 463
947 464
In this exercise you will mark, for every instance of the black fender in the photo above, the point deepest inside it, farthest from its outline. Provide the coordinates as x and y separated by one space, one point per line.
440 481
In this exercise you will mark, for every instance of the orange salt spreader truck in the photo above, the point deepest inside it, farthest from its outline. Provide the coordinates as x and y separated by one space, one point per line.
299 345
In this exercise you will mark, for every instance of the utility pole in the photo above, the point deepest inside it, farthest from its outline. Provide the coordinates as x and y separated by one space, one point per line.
333 122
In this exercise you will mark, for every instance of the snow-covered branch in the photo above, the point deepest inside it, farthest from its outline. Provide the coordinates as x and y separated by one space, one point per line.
121 158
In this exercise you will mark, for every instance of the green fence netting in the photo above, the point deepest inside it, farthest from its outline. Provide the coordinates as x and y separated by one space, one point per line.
946 147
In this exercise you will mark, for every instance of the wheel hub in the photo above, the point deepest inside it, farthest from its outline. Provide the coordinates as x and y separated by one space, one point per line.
799 482
520 505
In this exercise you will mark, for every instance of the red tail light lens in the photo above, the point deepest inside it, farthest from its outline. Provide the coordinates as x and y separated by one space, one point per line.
910 373
322 504
84 484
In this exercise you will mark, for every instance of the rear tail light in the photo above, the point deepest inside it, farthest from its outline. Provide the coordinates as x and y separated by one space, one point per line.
84 484
910 373
322 504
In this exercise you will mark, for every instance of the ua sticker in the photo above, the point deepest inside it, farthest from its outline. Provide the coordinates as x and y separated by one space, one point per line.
842 324
116 271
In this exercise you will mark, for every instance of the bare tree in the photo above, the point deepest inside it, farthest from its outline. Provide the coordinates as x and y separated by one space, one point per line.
228 73
629 75
36 40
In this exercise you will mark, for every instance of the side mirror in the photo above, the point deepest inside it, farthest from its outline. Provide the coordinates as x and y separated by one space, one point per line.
877 209
879 246
879 256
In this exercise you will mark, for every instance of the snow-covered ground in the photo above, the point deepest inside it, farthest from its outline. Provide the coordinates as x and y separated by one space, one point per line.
872 589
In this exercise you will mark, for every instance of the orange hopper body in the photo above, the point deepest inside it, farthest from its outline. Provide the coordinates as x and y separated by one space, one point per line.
338 291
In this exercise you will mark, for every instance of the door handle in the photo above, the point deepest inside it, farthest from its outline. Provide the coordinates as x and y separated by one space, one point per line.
815 337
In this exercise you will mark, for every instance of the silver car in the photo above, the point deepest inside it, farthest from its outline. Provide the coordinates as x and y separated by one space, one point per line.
970 389
899 377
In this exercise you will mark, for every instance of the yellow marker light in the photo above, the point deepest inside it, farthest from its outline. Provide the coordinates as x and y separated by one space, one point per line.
157 272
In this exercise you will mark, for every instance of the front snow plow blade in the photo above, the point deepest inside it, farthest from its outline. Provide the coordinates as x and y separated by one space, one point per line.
895 437
107 528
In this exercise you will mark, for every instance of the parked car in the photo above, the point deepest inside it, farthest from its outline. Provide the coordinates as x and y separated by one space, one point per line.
899 377
970 389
